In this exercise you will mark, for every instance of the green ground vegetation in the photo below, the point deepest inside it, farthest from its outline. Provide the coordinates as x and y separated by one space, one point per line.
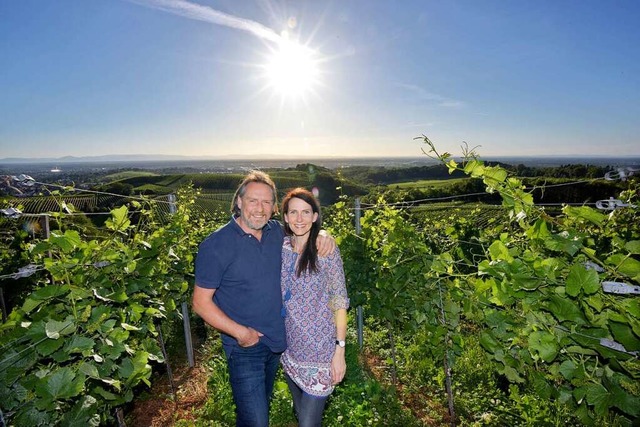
118 176
428 183
359 400
447 281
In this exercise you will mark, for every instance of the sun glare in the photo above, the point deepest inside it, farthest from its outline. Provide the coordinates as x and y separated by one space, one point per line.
292 70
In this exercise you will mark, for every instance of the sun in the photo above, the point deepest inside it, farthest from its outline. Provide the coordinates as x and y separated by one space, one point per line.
292 69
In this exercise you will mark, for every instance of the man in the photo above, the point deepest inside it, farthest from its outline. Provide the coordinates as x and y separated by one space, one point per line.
237 291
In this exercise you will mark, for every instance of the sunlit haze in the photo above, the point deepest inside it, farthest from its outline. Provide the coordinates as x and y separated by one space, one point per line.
292 71
307 78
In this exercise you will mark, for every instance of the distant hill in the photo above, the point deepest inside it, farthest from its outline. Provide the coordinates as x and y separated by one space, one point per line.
101 159
328 184
240 163
109 158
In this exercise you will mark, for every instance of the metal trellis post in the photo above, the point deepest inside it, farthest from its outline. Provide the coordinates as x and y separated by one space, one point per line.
187 334
359 308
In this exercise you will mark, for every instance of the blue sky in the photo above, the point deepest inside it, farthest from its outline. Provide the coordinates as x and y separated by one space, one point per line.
95 77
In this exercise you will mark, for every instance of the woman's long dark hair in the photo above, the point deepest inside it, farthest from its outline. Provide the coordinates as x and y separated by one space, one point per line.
309 255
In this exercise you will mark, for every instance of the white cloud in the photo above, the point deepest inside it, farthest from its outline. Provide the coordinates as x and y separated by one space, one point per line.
208 14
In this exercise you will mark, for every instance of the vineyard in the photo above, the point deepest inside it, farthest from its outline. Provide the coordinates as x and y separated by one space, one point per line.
473 314
549 299
82 203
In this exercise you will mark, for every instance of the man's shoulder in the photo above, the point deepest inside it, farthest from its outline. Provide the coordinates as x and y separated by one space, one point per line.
276 225
222 234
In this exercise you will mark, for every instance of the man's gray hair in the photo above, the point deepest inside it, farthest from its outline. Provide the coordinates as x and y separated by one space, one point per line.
254 176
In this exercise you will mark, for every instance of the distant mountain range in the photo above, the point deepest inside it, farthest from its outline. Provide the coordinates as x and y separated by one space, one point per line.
267 160
122 158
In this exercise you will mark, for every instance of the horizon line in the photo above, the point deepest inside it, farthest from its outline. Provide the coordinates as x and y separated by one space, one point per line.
169 157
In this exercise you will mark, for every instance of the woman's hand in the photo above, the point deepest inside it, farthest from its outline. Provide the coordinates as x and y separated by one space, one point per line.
338 366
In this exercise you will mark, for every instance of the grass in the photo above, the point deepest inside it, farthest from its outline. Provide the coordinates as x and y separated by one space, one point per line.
152 189
365 397
359 400
204 396
127 174
429 183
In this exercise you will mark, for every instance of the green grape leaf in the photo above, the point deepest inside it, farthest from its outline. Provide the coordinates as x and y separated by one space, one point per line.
563 243
108 325
115 383
494 175
625 265
488 341
544 344
33 417
105 394
632 306
49 346
62 384
580 278
541 386
82 414
67 242
48 292
119 296
89 369
568 369
135 368
499 251
633 247
54 329
625 402
119 220
78 344
539 230
128 327
625 336
585 212
598 396
511 374
564 309
30 304
475 168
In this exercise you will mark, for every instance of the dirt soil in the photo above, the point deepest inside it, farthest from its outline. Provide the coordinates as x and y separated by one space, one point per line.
160 410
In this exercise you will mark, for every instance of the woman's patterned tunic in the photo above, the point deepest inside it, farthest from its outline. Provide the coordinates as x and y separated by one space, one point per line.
309 303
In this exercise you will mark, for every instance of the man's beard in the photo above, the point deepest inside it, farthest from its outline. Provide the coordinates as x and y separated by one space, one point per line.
255 224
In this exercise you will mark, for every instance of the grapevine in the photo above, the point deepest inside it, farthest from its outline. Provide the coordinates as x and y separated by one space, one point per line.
85 338
528 287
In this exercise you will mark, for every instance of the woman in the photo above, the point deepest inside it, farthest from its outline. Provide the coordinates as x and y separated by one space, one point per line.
315 310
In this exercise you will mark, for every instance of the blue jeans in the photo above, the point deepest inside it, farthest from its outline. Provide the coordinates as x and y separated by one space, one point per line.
252 372
308 408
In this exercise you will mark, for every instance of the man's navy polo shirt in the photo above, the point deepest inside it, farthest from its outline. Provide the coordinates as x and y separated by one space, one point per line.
246 275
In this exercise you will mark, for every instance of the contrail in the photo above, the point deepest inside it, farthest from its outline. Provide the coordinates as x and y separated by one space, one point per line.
207 14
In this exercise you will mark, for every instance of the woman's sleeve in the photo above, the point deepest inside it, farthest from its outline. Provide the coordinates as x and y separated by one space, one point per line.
335 282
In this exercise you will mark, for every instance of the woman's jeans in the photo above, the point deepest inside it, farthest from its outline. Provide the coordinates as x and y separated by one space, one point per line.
308 408
252 372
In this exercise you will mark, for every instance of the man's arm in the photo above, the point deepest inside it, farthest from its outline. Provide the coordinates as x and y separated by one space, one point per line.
204 306
325 243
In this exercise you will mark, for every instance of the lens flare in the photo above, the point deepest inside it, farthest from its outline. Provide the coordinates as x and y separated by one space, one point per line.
32 227
292 70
